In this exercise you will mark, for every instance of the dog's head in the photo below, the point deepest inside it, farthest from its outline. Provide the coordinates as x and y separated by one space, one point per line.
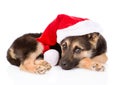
75 48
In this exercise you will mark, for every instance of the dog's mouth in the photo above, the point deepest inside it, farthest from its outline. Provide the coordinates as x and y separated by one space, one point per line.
67 65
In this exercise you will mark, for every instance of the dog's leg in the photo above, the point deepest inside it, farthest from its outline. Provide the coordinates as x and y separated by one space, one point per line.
35 66
88 63
101 58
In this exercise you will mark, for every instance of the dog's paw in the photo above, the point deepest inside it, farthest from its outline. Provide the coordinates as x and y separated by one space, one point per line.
40 70
42 66
98 67
39 66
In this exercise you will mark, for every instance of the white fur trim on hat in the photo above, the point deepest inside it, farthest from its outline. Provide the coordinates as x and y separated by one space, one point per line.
51 56
80 28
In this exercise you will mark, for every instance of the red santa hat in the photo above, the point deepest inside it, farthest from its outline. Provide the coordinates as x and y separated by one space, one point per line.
64 26
60 28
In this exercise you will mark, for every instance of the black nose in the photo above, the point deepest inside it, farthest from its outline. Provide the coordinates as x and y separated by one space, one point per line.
64 64
67 64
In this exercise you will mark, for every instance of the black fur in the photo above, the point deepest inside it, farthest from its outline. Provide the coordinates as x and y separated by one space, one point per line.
22 46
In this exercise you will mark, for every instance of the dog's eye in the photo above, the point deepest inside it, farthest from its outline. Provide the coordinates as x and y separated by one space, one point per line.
64 45
77 50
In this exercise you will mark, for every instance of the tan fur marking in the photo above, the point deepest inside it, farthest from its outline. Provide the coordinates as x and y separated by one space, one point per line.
101 58
87 63
77 44
89 35
38 51
68 43
93 64
12 53
86 53
94 39
31 65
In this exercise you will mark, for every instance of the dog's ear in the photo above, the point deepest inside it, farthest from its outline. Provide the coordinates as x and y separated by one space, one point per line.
93 38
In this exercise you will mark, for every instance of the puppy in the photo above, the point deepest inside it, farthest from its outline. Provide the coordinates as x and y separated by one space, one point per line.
26 53
87 51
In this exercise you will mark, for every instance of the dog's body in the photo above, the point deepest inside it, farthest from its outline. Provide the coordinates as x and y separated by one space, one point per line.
26 53
87 51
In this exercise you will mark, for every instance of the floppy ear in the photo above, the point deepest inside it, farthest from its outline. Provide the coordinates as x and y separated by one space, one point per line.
93 38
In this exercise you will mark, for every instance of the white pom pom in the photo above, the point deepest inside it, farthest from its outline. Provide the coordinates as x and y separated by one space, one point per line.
51 56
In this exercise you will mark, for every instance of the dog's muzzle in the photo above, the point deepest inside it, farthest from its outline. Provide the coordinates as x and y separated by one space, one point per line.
68 64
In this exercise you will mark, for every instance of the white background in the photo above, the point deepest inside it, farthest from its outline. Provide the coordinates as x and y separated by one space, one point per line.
18 17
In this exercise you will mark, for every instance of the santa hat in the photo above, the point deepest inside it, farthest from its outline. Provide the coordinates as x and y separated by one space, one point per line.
64 26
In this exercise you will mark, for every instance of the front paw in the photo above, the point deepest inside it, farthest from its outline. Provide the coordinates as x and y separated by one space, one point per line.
98 67
42 66
39 67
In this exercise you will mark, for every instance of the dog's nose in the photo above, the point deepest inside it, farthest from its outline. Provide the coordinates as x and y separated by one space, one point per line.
64 63
67 64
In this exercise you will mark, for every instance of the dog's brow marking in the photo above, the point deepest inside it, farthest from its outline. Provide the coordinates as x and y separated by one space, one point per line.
74 44
67 41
